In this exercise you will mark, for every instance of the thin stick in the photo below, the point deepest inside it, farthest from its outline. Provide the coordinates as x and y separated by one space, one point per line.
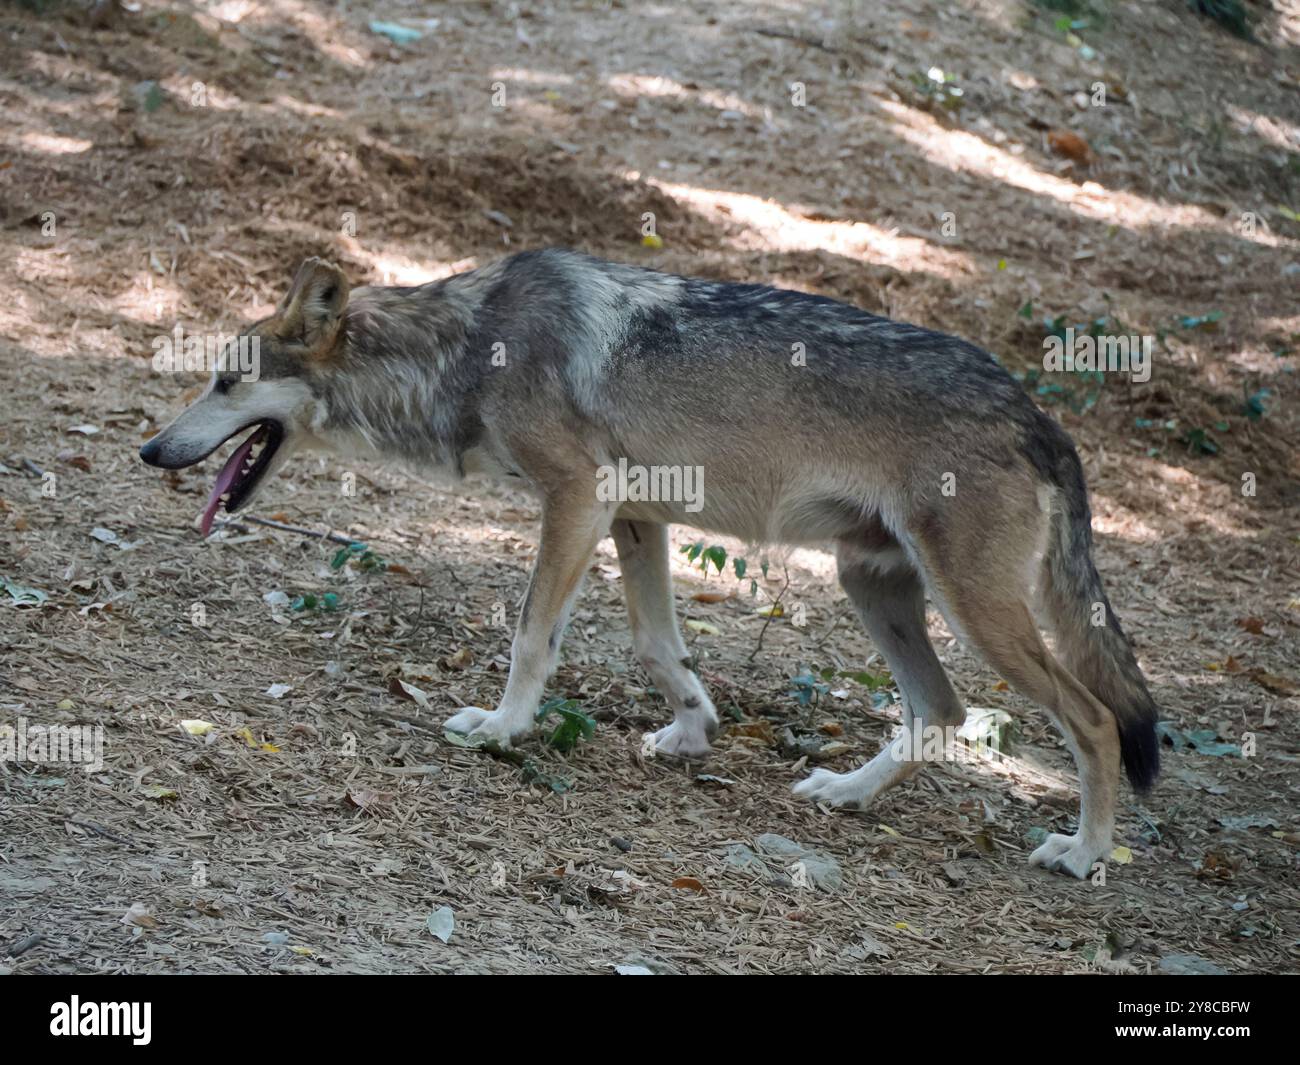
333 537
827 634
100 830
798 38
771 613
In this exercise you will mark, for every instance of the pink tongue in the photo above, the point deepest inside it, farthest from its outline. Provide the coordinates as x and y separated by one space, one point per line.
228 475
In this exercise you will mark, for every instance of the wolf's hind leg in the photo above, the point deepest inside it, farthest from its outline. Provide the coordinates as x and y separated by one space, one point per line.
643 555
983 582
1007 636
890 600
573 523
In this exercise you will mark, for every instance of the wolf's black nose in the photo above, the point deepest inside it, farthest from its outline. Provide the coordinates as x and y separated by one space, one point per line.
149 451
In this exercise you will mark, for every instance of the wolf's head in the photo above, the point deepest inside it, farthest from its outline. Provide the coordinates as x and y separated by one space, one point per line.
278 402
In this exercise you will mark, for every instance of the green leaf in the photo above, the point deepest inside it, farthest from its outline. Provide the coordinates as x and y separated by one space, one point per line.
717 554
1206 741
1199 442
1255 408
870 681
441 923
23 596
150 96
341 556
1196 322
807 689
574 724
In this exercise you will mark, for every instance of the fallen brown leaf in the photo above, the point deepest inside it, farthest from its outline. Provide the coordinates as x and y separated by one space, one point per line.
1274 683
1071 145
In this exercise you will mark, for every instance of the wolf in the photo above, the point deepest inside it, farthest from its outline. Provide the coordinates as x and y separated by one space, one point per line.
913 455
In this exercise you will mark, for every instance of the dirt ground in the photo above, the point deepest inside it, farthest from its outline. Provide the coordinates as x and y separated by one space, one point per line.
175 163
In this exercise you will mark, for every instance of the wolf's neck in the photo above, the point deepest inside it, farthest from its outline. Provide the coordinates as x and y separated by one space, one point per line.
403 386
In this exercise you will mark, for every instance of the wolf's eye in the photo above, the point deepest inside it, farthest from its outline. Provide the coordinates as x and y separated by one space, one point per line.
222 386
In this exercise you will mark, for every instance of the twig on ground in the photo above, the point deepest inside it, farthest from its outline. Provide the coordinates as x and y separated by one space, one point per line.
100 830
333 537
798 38
771 613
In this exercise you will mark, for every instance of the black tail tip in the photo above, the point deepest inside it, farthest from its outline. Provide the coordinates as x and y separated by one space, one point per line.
1140 750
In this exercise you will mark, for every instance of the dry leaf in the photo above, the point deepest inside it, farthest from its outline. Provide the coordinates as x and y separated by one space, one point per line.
419 670
367 799
757 730
1216 866
462 659
1274 683
399 687
1071 145
1228 665
138 917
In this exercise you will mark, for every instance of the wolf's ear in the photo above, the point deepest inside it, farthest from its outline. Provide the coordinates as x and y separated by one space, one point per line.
313 310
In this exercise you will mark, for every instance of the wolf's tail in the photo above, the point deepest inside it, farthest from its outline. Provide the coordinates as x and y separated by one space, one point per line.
1088 635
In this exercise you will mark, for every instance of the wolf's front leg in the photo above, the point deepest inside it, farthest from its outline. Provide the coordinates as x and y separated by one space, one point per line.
573 523
643 557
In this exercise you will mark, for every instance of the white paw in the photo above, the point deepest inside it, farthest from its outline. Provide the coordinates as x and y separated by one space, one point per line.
1067 854
484 726
838 789
683 740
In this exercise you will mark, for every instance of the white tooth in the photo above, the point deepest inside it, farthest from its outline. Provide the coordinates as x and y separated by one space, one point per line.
225 497
257 450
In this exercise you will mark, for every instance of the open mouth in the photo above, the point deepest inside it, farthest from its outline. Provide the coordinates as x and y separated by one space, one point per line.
242 471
